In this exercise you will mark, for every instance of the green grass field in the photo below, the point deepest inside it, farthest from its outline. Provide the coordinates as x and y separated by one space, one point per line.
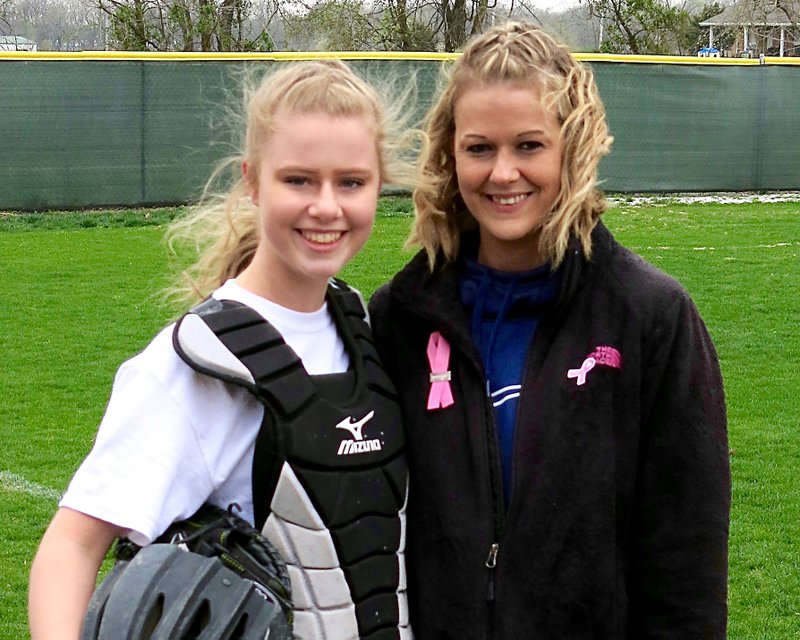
80 295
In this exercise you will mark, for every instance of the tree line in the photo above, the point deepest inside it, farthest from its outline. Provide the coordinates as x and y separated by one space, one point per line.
615 26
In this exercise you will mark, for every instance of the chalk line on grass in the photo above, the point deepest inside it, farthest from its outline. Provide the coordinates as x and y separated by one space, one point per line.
14 482
743 197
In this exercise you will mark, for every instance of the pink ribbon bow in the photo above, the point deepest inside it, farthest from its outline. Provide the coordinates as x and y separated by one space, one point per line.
580 374
441 395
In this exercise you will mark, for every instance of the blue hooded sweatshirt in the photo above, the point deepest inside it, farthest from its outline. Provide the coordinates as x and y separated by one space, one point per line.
505 308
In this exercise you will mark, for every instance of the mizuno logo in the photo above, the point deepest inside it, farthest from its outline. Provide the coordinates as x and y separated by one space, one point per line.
355 427
357 444
349 447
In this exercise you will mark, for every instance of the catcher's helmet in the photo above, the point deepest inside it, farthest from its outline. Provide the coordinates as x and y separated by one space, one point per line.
168 593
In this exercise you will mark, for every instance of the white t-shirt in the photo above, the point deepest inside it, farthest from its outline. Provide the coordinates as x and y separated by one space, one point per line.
172 439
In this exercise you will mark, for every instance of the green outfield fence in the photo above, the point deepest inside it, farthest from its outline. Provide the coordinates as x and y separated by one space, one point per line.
128 129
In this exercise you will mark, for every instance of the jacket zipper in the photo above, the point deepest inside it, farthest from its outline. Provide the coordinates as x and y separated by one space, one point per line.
497 512
491 563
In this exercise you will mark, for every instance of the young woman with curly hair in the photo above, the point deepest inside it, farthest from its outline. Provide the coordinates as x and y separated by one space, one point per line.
562 398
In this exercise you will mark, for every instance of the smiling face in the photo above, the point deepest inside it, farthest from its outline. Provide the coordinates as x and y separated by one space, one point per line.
508 157
316 188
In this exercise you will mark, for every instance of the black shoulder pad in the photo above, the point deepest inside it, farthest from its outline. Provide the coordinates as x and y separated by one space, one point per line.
349 299
230 341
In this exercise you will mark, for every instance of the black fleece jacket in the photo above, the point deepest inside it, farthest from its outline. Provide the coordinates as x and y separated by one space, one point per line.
617 524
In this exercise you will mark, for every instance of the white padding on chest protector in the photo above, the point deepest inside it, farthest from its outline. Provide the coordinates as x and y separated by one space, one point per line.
291 503
301 546
328 588
322 604
336 624
204 348
403 524
322 601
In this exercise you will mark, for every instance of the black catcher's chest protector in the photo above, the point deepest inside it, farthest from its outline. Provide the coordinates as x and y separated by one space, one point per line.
329 472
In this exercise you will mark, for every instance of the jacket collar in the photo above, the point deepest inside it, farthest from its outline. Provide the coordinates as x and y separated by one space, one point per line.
434 299
434 296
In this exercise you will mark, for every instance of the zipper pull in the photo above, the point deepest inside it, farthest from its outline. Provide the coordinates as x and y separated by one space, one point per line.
491 563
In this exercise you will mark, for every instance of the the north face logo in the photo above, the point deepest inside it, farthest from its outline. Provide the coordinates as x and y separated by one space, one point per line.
602 355
358 444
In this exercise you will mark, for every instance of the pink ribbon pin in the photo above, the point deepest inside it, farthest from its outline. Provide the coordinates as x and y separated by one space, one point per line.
441 395
580 374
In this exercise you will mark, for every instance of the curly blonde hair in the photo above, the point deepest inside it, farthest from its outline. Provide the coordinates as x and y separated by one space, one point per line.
523 55
221 230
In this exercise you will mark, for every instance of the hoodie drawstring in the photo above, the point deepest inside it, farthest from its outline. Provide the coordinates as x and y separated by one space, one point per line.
477 317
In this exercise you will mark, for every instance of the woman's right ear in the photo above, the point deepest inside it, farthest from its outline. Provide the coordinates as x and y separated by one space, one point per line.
251 181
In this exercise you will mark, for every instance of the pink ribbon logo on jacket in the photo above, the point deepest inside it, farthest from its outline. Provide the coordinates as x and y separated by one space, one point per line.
441 395
602 355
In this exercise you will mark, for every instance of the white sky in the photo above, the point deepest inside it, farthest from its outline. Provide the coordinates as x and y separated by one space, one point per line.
537 5
555 5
